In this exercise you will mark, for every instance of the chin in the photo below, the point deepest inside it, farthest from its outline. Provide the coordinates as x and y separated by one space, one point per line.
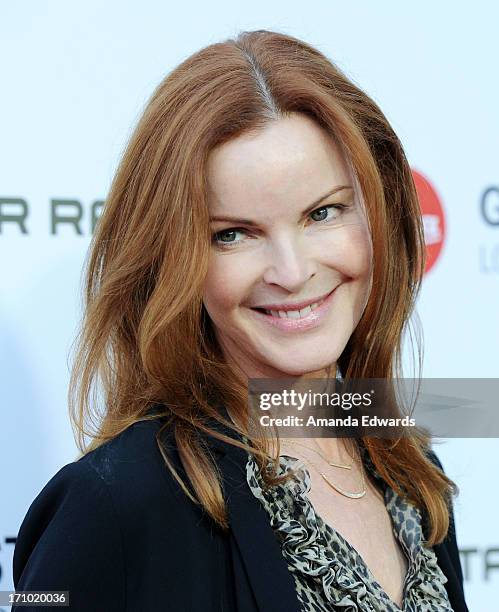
299 367
306 359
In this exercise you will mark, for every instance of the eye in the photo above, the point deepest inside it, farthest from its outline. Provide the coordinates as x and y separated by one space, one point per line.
322 212
227 237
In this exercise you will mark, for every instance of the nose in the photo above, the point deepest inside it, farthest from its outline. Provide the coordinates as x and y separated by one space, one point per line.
289 263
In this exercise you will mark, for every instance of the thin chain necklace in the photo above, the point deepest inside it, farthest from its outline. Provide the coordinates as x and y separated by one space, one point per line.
337 488
332 463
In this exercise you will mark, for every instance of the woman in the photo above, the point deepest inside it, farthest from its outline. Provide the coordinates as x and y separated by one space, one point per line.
263 223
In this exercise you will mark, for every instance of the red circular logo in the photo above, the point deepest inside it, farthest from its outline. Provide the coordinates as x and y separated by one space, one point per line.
433 218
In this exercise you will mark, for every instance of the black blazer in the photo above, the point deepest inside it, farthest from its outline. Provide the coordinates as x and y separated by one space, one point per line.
115 529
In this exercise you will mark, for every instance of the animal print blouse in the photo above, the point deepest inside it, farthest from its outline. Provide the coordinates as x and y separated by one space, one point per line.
329 573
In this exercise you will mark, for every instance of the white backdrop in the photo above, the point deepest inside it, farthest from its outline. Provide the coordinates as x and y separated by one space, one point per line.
75 76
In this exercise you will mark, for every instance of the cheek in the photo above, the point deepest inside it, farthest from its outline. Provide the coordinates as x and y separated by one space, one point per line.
352 251
361 244
224 287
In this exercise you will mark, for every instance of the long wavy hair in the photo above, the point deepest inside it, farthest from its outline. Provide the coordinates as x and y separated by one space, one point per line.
146 338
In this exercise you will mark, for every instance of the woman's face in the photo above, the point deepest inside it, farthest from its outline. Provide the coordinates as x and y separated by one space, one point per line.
290 265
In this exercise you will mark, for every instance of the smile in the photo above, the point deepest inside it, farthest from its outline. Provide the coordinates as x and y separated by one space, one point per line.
294 314
296 319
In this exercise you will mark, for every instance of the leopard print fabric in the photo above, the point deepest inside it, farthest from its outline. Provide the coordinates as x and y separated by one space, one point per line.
329 573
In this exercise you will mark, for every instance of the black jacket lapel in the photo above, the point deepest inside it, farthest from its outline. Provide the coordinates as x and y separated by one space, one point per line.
453 585
271 581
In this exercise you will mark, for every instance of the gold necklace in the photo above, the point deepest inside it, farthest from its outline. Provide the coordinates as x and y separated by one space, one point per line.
332 463
338 489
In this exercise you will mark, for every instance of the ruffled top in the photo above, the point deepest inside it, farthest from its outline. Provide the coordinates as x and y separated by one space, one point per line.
329 573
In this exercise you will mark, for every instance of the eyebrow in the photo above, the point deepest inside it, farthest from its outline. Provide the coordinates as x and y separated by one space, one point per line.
308 209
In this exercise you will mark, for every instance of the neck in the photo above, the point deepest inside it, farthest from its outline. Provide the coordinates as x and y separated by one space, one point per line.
342 450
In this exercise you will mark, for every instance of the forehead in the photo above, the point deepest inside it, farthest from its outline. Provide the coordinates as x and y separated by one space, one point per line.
291 159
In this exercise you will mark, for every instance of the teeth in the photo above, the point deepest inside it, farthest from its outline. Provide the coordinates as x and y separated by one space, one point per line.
294 314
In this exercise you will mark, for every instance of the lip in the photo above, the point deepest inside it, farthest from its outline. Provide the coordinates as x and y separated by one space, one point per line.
313 319
293 306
